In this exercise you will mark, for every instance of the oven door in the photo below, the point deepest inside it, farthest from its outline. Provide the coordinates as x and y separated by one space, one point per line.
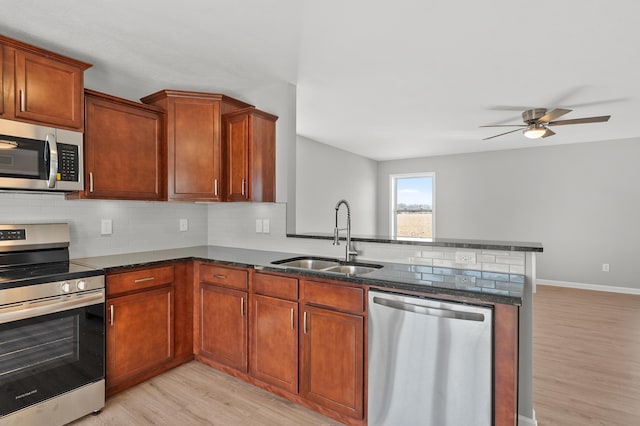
49 347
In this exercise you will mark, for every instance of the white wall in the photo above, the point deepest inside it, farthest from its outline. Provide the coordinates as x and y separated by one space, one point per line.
324 175
137 225
580 201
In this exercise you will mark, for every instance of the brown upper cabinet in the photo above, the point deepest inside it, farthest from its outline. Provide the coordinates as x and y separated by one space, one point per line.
124 150
250 151
41 87
194 144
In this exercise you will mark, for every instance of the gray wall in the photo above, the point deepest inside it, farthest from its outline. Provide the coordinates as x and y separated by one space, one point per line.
324 175
580 201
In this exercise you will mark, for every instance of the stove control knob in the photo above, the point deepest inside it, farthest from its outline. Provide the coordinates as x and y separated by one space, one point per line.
81 284
65 287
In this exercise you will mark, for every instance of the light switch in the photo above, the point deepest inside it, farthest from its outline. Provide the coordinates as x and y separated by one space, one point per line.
258 226
265 226
184 225
106 227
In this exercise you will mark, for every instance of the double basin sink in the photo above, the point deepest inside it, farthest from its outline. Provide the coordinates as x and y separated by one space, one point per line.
326 264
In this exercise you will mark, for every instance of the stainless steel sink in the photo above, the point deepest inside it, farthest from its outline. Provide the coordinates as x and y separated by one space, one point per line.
352 269
326 264
310 263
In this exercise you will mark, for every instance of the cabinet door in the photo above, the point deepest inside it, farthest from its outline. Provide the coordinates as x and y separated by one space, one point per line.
274 341
139 333
48 91
123 150
236 134
332 369
194 149
223 325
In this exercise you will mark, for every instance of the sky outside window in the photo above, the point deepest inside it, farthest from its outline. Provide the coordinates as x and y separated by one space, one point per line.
415 191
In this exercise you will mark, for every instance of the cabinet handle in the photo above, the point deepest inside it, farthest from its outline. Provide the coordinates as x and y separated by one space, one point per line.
215 187
242 306
22 103
304 322
90 181
220 276
111 312
142 280
242 186
292 325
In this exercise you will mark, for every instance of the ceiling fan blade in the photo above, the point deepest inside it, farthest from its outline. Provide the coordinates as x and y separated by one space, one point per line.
548 133
553 114
505 125
518 108
600 119
501 134
601 102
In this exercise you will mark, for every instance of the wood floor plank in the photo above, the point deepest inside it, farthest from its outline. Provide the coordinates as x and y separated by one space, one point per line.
586 357
195 394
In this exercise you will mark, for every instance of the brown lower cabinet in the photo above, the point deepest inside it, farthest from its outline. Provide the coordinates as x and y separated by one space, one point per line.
222 316
302 339
332 346
332 354
223 325
149 322
273 345
139 334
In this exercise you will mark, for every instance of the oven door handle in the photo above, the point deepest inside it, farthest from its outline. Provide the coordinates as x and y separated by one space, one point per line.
31 309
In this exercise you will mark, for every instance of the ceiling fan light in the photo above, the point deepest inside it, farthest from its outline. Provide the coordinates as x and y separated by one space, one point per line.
535 131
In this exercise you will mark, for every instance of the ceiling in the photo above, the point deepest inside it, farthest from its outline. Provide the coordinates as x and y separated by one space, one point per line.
386 80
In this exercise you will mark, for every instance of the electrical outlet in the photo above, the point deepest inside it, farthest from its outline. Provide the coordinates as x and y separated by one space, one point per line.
605 267
258 226
106 227
183 225
466 257
265 226
464 279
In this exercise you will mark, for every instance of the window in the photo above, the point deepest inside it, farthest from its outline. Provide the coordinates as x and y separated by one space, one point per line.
413 205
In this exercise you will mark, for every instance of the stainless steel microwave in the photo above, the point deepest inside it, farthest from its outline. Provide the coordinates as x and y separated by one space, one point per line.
40 158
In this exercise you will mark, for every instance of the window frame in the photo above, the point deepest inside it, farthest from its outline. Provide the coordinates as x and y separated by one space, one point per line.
393 222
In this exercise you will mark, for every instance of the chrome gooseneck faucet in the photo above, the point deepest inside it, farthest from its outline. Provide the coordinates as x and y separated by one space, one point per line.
349 251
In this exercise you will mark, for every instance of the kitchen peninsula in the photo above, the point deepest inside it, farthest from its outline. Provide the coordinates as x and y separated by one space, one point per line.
230 277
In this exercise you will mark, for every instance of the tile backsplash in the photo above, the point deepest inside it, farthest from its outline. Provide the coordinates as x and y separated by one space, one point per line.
505 262
137 225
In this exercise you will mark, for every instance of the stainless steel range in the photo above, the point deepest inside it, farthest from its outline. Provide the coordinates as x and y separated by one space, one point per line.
52 329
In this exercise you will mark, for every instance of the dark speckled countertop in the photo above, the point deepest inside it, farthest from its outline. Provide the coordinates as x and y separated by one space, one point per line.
480 285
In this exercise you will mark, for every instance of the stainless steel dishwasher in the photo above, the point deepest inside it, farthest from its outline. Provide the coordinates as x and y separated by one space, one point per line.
430 362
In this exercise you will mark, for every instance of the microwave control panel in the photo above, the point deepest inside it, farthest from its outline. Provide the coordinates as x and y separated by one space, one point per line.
68 162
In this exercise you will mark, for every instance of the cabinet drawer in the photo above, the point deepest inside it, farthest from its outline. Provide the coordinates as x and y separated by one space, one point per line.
350 299
140 279
275 286
227 277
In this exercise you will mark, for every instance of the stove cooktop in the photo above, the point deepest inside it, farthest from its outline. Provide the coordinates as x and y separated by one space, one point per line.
18 276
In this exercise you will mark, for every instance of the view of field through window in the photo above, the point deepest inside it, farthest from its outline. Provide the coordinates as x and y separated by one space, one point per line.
413 206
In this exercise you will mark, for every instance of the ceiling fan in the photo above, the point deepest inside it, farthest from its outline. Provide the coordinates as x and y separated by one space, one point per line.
537 122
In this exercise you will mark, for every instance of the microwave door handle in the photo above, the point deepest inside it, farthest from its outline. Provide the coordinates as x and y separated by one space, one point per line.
52 146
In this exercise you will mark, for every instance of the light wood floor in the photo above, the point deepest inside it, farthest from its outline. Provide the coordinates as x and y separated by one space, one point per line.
195 394
586 349
586 357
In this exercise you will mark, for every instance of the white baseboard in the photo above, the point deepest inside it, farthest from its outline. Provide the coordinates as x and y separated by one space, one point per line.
527 421
596 287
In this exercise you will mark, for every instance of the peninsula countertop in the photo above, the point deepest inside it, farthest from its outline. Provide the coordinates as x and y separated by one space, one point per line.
481 285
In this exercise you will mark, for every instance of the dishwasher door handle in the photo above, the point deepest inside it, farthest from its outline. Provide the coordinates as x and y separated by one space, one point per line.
431 311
